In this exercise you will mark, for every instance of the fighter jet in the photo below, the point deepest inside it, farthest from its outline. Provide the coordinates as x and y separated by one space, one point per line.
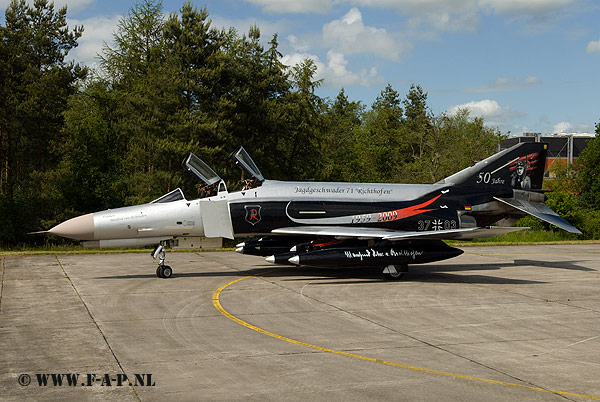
334 225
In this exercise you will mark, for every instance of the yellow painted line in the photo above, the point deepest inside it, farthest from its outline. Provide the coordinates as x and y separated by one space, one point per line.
217 303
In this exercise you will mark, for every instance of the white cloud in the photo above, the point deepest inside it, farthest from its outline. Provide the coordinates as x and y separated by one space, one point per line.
293 6
562 127
297 44
295 58
350 35
502 84
593 47
492 113
96 31
335 72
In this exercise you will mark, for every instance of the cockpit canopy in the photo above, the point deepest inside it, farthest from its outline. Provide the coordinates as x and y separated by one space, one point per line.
212 183
198 167
254 177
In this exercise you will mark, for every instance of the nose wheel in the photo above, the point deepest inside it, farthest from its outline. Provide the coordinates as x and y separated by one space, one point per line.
163 271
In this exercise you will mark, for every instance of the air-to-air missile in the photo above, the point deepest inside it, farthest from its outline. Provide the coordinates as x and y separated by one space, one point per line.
269 245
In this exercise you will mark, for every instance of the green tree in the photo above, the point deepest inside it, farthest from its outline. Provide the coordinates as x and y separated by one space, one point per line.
418 131
259 95
36 83
339 151
299 145
383 150
88 176
469 136
589 172
202 79
141 71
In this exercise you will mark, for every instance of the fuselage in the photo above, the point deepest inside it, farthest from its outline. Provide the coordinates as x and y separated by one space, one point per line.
277 204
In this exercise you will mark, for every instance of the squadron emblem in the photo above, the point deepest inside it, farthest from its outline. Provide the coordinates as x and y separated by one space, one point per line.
252 214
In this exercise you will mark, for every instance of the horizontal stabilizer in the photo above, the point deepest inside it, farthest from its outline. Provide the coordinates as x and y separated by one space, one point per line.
541 211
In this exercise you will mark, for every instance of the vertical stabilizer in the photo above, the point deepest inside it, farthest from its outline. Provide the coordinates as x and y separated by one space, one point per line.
520 167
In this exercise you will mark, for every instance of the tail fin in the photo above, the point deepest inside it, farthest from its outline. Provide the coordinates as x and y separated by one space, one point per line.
520 166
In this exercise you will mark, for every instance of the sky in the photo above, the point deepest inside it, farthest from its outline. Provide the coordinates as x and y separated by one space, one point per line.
522 65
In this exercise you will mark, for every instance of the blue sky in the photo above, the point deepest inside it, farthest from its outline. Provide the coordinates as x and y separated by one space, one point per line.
523 65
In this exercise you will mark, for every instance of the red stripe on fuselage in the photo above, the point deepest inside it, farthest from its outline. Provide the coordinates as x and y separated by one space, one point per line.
407 212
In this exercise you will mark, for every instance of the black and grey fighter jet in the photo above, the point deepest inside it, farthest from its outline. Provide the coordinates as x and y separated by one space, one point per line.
341 225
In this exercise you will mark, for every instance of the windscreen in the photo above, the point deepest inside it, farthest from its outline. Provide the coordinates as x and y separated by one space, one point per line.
175 195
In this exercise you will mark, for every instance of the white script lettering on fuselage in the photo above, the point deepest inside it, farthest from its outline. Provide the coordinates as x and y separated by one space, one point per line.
371 253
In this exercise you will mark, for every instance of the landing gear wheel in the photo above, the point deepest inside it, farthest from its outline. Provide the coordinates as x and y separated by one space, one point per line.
167 272
394 272
394 276
163 271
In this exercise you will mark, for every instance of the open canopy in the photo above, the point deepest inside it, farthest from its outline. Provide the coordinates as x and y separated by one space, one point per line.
198 167
245 162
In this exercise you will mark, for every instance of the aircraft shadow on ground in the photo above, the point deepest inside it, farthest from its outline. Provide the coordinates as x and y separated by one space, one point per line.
442 273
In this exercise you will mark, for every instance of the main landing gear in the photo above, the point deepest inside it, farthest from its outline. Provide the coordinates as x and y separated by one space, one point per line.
395 272
163 271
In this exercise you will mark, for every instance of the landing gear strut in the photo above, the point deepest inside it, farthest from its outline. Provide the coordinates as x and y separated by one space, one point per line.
394 272
163 271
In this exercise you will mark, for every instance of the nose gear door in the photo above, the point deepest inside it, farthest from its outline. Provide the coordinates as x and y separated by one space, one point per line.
216 217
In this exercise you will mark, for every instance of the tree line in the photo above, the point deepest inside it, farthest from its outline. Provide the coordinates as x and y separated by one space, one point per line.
75 140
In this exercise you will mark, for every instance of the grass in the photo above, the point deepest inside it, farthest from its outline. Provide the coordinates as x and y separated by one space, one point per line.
526 237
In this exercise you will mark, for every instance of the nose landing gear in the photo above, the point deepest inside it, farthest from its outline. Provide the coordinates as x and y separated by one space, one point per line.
163 271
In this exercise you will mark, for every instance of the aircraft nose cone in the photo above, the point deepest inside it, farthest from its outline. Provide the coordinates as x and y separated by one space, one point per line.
79 228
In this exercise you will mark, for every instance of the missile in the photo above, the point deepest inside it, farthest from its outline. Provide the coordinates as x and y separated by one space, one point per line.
283 258
377 256
301 248
269 245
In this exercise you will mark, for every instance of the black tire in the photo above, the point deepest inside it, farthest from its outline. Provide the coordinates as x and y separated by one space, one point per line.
401 270
167 272
159 271
393 277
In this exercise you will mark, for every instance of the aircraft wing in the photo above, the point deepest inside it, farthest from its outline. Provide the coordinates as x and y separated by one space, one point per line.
541 211
396 235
